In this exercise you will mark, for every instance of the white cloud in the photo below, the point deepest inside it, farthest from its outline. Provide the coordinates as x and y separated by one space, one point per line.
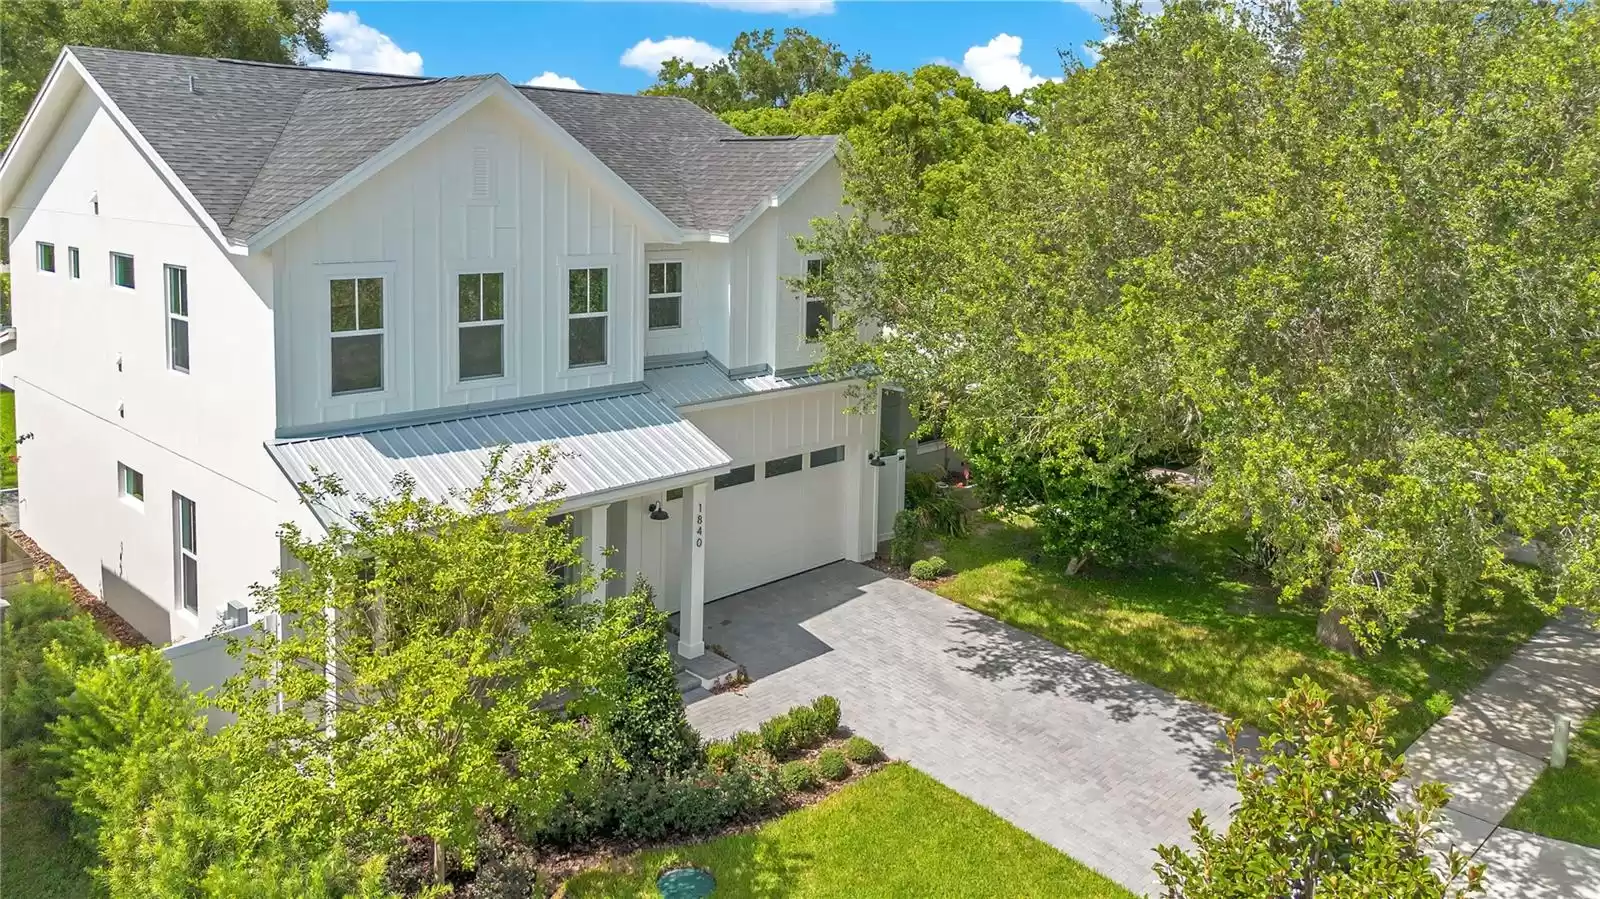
551 79
1089 54
999 64
787 7
355 45
648 55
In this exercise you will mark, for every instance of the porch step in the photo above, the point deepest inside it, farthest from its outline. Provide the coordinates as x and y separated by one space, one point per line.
687 681
709 670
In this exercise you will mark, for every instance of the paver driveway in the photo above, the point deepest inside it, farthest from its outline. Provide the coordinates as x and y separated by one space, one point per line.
1097 764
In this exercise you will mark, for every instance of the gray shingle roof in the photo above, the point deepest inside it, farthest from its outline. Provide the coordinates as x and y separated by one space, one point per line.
255 140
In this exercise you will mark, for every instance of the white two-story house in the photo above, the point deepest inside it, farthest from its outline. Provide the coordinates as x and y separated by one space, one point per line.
230 275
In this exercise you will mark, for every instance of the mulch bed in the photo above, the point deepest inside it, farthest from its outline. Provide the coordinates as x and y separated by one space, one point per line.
109 622
559 865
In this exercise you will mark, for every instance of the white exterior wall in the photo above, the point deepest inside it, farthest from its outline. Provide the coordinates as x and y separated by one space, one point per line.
416 224
86 348
817 198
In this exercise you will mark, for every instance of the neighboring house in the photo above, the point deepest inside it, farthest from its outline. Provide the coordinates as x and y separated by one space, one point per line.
229 275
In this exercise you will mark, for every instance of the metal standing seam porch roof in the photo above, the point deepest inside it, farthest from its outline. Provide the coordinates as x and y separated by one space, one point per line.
693 383
605 445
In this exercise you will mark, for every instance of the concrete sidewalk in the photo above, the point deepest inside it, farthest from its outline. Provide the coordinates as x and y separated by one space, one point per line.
1494 745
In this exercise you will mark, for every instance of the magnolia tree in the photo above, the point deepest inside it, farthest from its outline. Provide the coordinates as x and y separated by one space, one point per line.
1320 814
1343 256
436 667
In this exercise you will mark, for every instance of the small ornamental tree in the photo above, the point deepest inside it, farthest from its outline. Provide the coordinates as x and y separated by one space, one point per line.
438 667
1319 815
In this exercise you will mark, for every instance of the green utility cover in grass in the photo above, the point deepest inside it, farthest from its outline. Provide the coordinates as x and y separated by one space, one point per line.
686 883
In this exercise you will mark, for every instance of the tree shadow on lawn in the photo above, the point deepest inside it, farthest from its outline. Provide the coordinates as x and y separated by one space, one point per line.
1198 625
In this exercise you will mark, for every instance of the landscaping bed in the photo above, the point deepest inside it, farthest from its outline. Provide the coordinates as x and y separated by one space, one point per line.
1201 624
895 832
1564 803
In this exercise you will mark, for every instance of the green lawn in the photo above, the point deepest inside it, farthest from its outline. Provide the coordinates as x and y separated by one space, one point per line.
37 859
895 833
1200 626
1565 802
8 439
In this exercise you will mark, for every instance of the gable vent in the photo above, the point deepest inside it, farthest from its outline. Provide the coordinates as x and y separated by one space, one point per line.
482 174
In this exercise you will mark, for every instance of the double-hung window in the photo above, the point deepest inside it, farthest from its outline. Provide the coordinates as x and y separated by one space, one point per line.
177 318
666 295
818 315
122 270
355 307
587 314
185 552
45 254
481 325
73 270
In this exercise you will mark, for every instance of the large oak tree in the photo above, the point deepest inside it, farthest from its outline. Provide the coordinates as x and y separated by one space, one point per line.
1344 255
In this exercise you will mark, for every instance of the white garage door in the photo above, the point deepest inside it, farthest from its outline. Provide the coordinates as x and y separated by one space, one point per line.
774 518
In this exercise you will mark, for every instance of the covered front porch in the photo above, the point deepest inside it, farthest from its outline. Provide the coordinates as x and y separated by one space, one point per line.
632 476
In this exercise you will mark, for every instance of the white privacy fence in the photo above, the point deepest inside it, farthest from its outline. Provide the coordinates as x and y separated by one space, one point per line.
203 664
891 492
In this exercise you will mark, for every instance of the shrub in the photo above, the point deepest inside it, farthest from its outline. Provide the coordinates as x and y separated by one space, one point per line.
929 568
827 709
797 776
907 539
1107 511
778 735
720 754
937 508
746 741
1440 704
832 765
42 615
809 727
647 724
644 807
861 750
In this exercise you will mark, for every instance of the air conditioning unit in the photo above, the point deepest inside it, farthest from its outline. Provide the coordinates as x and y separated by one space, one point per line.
235 614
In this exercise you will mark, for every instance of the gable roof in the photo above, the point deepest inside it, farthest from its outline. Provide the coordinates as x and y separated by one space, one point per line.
254 141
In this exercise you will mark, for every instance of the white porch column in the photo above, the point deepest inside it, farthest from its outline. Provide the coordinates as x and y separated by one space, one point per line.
633 549
692 591
594 547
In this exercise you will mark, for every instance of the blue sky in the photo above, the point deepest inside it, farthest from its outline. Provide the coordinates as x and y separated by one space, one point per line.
614 46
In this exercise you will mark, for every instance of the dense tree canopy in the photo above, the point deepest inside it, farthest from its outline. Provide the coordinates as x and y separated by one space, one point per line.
34 31
1343 256
761 71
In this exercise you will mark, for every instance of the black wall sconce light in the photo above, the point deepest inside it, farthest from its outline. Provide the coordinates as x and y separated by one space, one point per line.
658 512
875 460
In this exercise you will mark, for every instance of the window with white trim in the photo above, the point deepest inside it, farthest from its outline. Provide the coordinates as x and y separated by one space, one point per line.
185 553
817 314
177 318
45 256
480 325
122 270
666 295
588 305
74 271
355 316
130 484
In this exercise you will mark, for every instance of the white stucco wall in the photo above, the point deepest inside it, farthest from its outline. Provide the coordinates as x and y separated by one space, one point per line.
94 389
416 224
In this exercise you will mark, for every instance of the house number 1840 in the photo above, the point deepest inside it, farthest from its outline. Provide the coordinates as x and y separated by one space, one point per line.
699 525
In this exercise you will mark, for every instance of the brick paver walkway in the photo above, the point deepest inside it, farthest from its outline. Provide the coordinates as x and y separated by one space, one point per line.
1099 765
1492 747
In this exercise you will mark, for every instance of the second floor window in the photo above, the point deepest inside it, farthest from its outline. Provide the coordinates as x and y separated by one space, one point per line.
73 270
818 315
587 305
46 256
666 295
122 270
177 318
481 325
356 316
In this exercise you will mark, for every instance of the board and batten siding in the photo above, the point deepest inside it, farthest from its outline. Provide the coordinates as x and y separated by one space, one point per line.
425 219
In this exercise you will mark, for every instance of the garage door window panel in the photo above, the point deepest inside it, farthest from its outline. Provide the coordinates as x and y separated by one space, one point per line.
744 474
786 465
